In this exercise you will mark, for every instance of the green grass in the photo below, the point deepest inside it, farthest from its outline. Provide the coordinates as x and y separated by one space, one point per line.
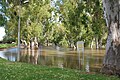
7 45
23 71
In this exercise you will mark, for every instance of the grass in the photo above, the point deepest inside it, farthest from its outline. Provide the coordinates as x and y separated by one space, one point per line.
23 71
7 45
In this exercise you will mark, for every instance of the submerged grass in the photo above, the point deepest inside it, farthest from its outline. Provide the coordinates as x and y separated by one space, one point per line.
23 71
7 45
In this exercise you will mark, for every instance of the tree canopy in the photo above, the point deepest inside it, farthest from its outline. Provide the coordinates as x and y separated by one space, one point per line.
3 18
62 22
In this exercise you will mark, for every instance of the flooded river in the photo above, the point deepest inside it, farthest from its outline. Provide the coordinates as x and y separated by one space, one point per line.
89 61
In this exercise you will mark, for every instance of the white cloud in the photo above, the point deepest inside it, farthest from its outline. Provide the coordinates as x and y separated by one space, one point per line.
2 32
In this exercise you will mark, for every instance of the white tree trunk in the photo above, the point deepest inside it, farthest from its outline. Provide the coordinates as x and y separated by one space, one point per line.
96 42
91 45
111 63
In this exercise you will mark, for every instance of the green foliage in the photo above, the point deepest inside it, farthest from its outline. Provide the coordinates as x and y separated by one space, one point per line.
8 39
23 71
34 16
63 42
3 18
7 45
57 21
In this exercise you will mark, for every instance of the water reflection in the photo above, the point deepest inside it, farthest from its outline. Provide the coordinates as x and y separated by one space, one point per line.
10 54
87 66
80 61
90 60
29 56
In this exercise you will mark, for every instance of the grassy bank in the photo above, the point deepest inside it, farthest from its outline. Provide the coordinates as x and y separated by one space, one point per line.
2 46
22 71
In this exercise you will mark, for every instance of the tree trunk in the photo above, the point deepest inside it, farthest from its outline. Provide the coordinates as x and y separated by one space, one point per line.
100 43
111 63
91 44
96 42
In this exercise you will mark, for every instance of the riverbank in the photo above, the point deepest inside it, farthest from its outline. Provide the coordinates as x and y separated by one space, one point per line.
23 71
5 46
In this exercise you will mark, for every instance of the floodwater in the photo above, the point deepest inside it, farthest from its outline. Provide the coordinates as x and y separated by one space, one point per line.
90 60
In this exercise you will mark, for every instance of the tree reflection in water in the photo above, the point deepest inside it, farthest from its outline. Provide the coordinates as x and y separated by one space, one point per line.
87 66
90 60
29 56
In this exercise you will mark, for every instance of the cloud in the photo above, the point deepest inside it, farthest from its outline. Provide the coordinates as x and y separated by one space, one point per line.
2 32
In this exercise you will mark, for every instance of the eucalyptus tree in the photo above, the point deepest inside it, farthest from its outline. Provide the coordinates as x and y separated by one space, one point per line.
69 15
57 21
111 64
34 18
36 14
12 13
94 9
58 29
3 18
77 17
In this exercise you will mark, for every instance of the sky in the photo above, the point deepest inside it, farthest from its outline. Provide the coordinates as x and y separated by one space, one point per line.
2 30
2 33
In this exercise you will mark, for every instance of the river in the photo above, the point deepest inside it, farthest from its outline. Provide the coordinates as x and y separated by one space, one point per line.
90 60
